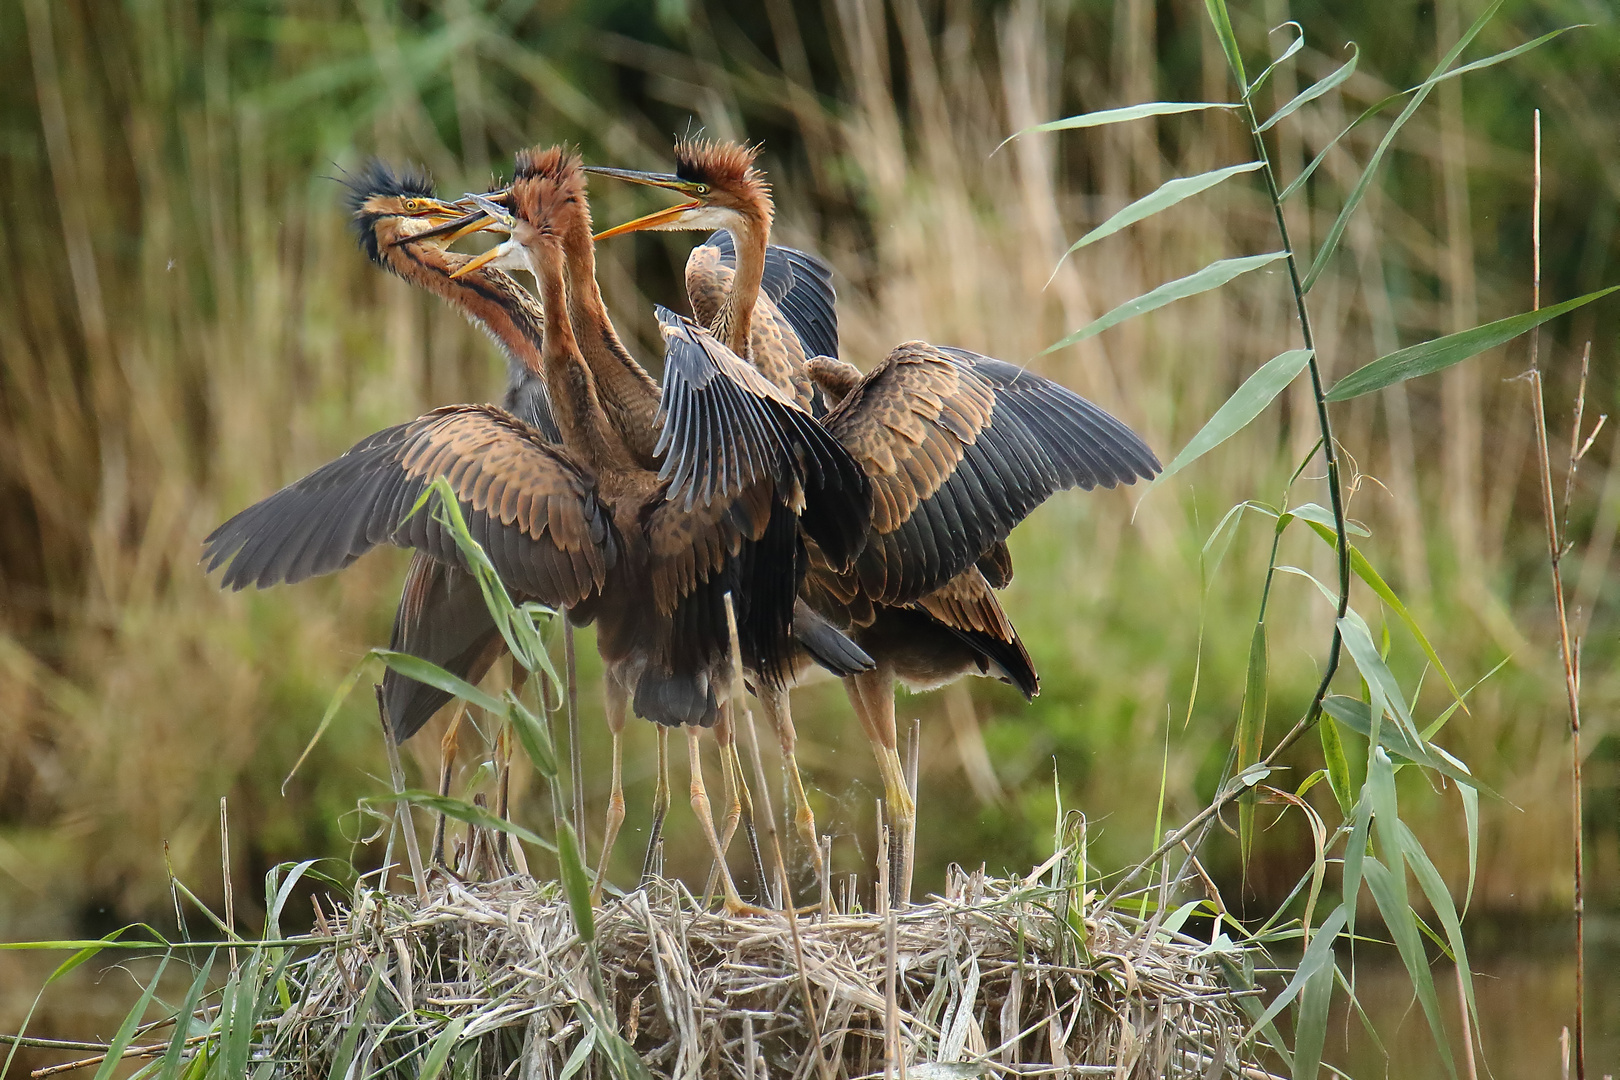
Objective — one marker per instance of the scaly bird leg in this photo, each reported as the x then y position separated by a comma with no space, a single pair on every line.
614,704
700,807
660,805
447,749
777,707
739,801
872,692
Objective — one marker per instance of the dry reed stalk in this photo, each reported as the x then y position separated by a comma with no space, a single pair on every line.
1572,679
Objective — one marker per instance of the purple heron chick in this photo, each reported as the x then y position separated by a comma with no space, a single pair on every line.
648,556
959,448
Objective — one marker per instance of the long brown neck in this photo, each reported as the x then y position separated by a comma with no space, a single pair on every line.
490,299
737,314
575,403
628,393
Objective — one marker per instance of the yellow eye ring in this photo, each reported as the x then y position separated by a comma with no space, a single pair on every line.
412,204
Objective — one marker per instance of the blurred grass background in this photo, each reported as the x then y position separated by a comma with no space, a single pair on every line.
185,325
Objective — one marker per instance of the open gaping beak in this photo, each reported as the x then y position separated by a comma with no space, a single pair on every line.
489,215
658,218
458,221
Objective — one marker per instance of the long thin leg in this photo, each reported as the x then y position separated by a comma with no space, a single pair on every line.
660,805
740,802
614,702
873,695
777,707
700,807
447,749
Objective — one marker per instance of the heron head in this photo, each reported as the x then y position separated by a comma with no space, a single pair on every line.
722,188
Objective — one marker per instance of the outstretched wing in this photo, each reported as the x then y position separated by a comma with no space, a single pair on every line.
959,449
532,508
797,282
726,428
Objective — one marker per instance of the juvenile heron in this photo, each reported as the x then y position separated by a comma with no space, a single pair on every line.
959,448
582,526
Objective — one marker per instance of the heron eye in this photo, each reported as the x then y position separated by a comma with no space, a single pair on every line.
703,189
412,204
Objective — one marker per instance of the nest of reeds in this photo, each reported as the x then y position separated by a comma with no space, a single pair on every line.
1008,977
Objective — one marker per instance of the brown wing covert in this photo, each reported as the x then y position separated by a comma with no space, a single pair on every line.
529,504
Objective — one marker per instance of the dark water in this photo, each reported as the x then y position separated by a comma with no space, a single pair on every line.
1524,986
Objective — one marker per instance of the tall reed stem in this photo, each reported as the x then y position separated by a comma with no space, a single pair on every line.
1555,553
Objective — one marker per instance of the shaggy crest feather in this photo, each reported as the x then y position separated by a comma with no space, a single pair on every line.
377,181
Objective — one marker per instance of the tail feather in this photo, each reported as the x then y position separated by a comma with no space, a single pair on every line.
827,645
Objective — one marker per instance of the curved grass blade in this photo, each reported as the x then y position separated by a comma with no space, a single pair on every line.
132,1020
1355,857
1310,1026
1442,352
1168,194
1239,410
1315,90
1355,715
169,1067
1318,954
424,671
1434,887
1288,54
1330,242
1119,116
1213,276
464,812
345,688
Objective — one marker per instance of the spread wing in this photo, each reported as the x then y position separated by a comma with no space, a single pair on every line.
959,449
727,428
532,508
798,283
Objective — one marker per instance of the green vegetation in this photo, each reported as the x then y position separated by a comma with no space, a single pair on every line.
188,327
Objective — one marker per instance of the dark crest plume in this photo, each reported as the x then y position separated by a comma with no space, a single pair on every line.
726,165
555,173
379,180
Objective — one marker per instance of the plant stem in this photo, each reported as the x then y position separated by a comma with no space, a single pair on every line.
1335,502
1555,551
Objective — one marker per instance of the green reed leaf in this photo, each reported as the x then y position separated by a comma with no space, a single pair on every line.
425,671
1288,54
464,812
1120,115
169,1066
1330,242
1251,731
1389,892
1355,715
575,880
535,739
1338,765
1380,680
1315,90
132,1020
1318,954
1439,896
1239,410
1440,353
1213,276
439,1052
1229,44
1168,194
